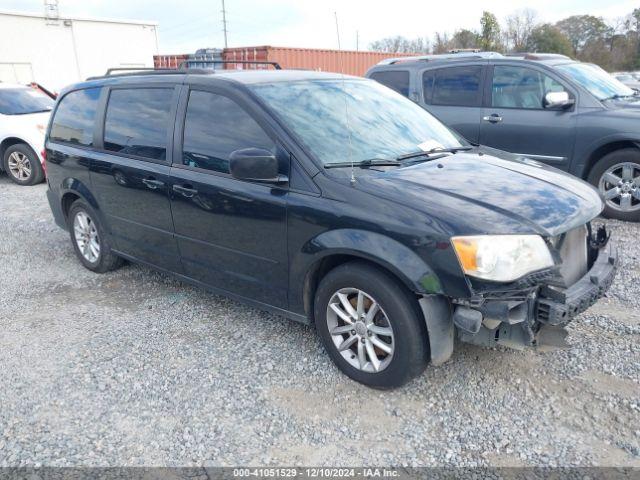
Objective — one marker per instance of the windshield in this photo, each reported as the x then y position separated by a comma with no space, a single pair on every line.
596,80
20,101
383,123
624,78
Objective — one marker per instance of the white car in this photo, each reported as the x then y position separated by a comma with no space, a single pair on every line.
24,114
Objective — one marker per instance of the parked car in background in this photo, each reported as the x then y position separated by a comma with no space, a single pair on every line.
24,114
628,79
571,115
382,226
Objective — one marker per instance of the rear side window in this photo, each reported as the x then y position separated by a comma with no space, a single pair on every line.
214,127
396,80
137,122
74,118
458,86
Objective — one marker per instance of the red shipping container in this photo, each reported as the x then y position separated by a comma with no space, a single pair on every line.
340,61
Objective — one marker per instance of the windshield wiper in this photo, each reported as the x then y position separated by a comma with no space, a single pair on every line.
382,162
423,153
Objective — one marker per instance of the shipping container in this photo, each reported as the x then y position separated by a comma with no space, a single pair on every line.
169,61
341,61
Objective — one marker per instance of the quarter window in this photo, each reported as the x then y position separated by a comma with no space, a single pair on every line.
137,122
215,126
397,80
520,87
458,86
74,118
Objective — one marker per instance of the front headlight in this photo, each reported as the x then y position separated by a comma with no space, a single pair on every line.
502,258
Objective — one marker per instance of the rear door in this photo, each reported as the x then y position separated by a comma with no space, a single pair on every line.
232,234
516,121
454,95
130,175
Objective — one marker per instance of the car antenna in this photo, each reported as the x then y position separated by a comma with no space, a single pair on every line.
346,102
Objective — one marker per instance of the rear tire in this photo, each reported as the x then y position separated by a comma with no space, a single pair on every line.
22,165
617,178
89,239
394,332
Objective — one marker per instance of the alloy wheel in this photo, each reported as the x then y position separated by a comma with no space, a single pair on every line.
620,187
86,236
19,166
360,330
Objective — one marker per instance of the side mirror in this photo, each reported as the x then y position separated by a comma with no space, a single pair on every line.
256,165
558,100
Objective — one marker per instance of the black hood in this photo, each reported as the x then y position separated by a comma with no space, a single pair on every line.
481,193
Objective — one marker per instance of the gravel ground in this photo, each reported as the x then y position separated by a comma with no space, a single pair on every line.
135,368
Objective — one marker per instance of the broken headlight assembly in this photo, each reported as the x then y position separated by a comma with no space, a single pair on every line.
502,258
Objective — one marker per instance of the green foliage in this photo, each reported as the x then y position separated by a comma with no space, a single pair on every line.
583,29
549,39
489,32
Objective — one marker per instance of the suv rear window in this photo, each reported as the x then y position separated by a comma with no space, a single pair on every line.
137,122
396,80
458,86
74,118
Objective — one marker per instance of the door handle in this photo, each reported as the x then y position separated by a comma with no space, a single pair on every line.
185,191
493,118
152,183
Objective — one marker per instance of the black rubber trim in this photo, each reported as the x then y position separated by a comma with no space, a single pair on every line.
557,307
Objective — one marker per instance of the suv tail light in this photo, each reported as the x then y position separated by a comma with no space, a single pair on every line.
43,154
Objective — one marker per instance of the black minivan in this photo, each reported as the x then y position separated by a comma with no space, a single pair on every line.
329,200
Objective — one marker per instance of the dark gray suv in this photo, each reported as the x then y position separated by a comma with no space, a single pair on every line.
572,115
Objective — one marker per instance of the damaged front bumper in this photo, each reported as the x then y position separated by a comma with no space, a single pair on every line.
516,319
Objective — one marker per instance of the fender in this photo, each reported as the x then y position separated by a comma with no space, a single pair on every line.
582,168
77,187
380,249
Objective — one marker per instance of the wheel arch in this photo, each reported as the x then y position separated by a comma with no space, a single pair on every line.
11,141
337,247
605,148
73,189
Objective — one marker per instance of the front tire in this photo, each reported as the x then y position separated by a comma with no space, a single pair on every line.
371,326
22,165
617,178
89,239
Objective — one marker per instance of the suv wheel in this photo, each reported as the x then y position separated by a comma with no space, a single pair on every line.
22,165
371,326
617,177
89,239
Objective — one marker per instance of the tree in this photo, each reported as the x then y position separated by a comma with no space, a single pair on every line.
489,32
582,29
464,38
549,39
400,44
520,24
442,43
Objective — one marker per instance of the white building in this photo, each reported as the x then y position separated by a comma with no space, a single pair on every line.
56,51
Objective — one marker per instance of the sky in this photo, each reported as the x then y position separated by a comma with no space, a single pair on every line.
192,24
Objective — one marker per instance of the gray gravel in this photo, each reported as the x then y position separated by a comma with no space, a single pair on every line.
135,368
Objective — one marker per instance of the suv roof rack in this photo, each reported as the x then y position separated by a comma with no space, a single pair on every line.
186,63
454,55
131,71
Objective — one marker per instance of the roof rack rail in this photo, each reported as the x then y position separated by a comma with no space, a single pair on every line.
186,63
538,56
445,56
133,69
